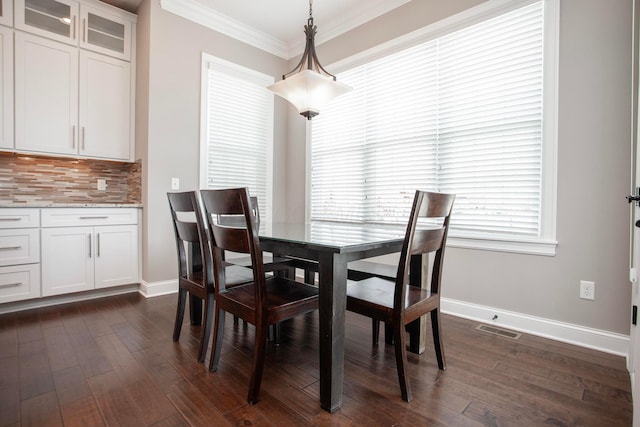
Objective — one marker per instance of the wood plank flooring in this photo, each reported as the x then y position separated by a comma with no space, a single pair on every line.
112,362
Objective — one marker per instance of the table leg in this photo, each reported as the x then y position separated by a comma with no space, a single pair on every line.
332,293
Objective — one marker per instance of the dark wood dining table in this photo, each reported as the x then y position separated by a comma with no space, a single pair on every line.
333,245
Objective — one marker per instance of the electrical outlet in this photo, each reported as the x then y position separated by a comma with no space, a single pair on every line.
175,183
102,184
587,290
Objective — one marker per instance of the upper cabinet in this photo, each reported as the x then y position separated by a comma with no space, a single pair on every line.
68,85
6,13
105,33
76,23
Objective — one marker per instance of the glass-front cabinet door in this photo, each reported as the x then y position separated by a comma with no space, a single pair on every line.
54,19
105,33
6,13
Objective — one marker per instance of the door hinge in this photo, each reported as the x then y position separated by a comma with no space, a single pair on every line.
634,315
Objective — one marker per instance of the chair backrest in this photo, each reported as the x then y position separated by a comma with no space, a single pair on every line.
239,236
419,241
189,229
238,219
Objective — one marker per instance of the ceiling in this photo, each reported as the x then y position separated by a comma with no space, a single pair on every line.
284,20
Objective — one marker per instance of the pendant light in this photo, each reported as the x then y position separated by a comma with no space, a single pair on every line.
309,87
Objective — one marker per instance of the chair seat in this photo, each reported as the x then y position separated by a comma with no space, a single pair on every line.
375,295
281,292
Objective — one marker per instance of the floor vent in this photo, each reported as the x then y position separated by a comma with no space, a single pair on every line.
498,331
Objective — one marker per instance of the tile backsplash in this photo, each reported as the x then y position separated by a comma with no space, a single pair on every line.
39,179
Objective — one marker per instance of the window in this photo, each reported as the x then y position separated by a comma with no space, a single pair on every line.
237,130
463,113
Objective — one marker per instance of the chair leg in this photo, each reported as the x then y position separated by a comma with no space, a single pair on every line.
437,338
375,330
401,361
259,351
388,333
206,327
182,300
216,344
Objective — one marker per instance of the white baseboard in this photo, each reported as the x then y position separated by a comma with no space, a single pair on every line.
155,289
64,299
608,342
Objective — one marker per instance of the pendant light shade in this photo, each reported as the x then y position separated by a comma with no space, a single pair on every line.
309,87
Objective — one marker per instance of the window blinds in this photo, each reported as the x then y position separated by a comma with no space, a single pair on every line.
459,114
239,128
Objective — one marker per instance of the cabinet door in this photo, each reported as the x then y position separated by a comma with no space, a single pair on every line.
19,282
6,87
67,260
105,33
54,19
105,91
116,255
6,13
46,95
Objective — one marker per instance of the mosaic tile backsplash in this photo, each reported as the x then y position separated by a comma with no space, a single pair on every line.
50,180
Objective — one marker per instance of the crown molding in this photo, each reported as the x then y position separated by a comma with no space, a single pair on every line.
209,18
200,14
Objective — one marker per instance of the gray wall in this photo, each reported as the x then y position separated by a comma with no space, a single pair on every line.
594,137
169,122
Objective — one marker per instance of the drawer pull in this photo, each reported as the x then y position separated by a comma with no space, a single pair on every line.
11,285
10,248
94,217
10,219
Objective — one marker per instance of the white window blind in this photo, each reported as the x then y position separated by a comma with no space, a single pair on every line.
458,114
237,143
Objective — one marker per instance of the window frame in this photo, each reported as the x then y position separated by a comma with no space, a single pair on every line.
546,243
208,61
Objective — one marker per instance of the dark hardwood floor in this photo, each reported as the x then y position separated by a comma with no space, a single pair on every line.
112,362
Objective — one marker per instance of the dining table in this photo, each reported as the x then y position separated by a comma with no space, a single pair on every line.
332,245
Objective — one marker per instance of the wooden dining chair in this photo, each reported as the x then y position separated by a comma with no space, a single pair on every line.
266,300
270,262
195,264
400,302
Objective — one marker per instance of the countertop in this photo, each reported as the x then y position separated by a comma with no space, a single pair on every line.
68,205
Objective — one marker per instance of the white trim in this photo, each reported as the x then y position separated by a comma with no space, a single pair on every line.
529,247
203,15
64,299
156,289
200,14
608,342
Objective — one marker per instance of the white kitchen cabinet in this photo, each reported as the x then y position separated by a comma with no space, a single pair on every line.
105,32
51,82
6,87
54,19
105,94
91,26
6,13
46,95
19,254
95,252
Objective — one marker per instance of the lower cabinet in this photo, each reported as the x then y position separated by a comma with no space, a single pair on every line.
80,258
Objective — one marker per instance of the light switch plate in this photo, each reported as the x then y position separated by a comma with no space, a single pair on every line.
175,183
102,184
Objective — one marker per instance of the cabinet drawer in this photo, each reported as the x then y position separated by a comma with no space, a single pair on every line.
78,217
19,282
19,246
19,218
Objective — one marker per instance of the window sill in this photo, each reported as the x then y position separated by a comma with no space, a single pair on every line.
520,246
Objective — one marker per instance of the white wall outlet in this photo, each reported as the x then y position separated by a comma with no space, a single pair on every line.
102,184
175,183
587,290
